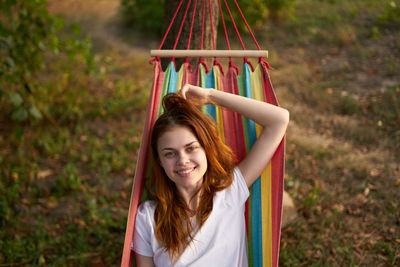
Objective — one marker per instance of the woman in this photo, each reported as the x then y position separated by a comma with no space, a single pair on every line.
197,215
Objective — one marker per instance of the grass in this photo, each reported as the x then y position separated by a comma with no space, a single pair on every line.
65,186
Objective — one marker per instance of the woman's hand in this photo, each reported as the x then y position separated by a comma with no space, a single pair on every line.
196,94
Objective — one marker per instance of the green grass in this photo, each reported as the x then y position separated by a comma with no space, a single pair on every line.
65,187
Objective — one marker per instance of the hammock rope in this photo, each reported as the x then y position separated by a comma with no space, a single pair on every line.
190,33
203,14
180,28
247,25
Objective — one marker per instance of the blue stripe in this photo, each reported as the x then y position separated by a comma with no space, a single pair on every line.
210,83
173,79
256,187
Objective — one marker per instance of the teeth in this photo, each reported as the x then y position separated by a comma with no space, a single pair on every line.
185,171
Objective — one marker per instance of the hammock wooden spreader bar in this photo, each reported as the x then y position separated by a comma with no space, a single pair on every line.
209,53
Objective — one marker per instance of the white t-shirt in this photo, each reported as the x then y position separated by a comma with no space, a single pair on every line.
221,241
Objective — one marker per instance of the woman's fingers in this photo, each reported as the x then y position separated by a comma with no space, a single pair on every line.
183,90
195,93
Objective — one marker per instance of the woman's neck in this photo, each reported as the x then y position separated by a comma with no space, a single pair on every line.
192,200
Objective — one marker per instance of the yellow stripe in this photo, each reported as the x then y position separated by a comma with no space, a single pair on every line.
257,91
220,124
266,216
180,78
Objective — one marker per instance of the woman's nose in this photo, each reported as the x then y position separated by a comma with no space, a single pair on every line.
183,158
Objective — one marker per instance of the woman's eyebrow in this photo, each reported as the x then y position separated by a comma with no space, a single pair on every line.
191,143
188,144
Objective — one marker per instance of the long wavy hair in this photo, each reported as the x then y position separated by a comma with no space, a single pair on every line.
173,227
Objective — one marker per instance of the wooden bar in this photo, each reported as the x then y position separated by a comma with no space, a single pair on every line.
209,53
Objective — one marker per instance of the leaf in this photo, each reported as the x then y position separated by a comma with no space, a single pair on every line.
20,114
16,99
10,63
75,29
18,132
35,112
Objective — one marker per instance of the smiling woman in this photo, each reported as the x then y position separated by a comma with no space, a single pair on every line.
197,215
183,160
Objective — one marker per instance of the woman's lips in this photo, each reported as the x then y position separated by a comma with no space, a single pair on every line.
185,172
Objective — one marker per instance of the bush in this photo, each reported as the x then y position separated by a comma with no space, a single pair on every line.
390,17
29,35
143,14
277,8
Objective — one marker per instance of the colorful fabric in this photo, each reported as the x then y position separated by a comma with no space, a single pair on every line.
264,207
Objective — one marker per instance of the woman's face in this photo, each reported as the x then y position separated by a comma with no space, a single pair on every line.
182,158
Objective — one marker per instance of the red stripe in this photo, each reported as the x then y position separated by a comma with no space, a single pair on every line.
140,176
277,174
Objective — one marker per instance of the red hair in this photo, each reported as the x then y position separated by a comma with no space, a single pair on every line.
172,222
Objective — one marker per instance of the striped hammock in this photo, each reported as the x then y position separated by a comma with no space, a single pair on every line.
264,207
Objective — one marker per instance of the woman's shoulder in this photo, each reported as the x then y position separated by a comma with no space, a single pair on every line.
238,192
145,214
147,207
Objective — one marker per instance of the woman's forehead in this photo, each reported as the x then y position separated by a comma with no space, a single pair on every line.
176,137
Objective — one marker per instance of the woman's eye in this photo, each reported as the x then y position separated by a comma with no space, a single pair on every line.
169,154
191,148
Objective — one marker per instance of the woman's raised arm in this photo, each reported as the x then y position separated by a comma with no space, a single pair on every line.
273,119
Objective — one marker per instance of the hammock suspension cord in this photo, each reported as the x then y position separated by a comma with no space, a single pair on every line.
197,53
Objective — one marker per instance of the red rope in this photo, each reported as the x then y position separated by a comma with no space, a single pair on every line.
201,61
212,25
261,61
247,25
166,32
216,63
245,59
226,38
170,24
191,25
223,24
202,24
180,28
234,25
233,65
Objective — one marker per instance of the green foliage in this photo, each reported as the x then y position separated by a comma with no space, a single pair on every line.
29,35
144,14
279,7
255,12
390,16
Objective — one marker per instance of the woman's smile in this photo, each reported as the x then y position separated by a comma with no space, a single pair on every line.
185,172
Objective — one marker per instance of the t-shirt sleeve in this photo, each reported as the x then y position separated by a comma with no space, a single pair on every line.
238,192
142,236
